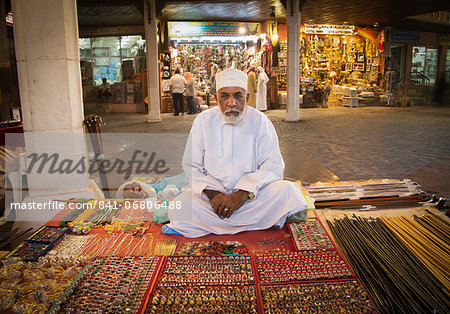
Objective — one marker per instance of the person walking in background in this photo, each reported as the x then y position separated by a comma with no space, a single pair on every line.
326,90
261,96
190,92
251,87
104,90
177,87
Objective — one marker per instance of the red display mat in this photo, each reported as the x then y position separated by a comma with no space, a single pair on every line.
249,238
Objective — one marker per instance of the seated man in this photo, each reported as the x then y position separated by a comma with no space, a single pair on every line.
234,164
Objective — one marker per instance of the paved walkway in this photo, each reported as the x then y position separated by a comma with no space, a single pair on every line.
344,143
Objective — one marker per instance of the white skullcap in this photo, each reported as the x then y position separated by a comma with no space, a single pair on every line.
231,78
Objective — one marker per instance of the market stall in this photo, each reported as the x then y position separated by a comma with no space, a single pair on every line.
202,48
109,255
334,58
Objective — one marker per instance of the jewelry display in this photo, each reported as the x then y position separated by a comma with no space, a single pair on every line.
111,284
30,251
72,245
201,299
165,247
324,297
207,270
118,245
48,234
212,248
136,228
309,235
300,266
88,215
270,242
32,287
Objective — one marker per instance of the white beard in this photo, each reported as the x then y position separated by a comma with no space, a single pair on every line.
232,119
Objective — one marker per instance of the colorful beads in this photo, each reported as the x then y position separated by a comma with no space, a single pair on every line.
31,251
48,234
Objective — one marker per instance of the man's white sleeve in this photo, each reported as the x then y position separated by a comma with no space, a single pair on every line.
193,161
270,161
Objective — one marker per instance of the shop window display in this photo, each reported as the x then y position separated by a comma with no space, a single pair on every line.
117,58
424,61
342,56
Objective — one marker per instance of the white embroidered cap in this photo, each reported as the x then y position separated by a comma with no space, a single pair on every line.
231,78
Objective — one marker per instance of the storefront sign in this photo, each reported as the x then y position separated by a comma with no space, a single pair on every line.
324,29
9,19
443,39
199,29
404,37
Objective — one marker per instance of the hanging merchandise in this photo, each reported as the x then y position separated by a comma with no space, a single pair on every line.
203,48
337,56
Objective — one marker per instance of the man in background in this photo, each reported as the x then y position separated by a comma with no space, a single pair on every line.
177,87
104,90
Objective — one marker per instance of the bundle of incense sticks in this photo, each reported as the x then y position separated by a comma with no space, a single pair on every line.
432,248
165,247
394,277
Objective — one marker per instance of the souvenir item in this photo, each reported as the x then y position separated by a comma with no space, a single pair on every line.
301,266
392,274
309,235
324,297
207,270
110,284
48,234
202,299
166,247
33,287
212,248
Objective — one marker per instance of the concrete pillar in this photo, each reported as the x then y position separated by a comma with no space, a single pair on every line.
293,46
151,37
442,55
48,65
408,62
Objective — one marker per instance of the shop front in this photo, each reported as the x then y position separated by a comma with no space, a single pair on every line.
121,61
346,59
203,48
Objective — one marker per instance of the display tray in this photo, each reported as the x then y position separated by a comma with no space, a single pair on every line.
310,235
317,297
111,284
48,235
182,270
204,299
311,265
30,251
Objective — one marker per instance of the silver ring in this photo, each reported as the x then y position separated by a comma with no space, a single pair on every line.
226,210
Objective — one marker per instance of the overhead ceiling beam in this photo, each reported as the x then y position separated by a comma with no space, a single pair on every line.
109,3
